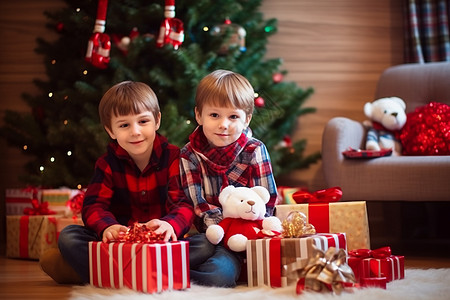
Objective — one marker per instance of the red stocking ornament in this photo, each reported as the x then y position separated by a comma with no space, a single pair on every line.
99,44
171,30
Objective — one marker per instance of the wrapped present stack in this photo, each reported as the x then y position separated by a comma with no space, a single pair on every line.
325,223
32,226
140,261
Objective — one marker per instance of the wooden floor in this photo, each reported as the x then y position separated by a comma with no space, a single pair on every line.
23,279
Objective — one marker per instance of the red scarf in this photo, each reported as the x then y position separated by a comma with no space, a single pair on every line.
218,159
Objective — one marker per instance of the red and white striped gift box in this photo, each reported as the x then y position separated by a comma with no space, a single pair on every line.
148,268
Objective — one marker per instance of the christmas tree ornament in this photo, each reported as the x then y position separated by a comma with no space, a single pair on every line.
171,30
60,27
286,142
123,42
233,35
99,45
277,77
259,102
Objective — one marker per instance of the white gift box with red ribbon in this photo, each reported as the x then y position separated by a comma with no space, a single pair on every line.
147,268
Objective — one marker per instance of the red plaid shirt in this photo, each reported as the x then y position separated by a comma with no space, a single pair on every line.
205,170
119,193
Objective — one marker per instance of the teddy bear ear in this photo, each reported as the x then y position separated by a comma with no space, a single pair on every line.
400,102
368,109
262,192
225,193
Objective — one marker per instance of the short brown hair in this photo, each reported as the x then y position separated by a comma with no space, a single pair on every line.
126,98
225,88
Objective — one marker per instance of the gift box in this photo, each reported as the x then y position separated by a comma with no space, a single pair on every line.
19,199
268,259
334,217
62,222
379,263
58,198
29,236
143,267
285,194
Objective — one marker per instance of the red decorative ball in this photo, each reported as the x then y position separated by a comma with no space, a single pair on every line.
277,77
259,102
60,26
427,131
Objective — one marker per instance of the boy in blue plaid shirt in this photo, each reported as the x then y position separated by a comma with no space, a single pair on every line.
221,152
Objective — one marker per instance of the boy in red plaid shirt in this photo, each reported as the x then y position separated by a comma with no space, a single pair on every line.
221,152
137,180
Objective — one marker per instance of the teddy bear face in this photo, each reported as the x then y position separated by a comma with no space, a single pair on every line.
245,203
389,112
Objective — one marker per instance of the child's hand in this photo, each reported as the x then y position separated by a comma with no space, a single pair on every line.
114,232
162,227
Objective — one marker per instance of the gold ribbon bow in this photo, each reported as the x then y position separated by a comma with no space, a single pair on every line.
296,225
325,271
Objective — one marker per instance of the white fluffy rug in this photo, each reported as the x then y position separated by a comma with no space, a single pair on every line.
418,284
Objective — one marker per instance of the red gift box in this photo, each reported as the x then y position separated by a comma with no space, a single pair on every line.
377,263
148,268
267,259
29,236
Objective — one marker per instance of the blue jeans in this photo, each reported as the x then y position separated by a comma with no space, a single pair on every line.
213,265
73,243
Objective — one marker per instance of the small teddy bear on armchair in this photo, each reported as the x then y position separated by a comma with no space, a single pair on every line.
243,211
387,117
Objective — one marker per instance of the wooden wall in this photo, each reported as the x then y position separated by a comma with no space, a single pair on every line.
337,47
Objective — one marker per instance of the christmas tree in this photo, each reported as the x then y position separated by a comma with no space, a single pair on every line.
63,134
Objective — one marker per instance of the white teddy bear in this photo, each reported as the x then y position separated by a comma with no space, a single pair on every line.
243,211
387,117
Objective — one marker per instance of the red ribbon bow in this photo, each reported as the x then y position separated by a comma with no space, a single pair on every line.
333,194
382,252
38,209
75,204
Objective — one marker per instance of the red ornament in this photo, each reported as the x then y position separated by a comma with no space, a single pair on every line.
99,44
171,30
259,102
60,27
427,131
277,77
123,42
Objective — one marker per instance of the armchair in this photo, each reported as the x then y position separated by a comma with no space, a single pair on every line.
391,178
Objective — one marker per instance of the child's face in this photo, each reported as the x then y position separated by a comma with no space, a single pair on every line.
135,134
222,125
